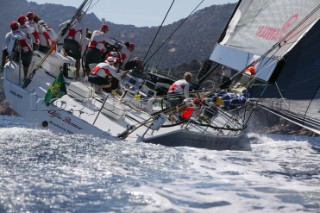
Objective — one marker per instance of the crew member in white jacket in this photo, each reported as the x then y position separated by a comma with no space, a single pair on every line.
73,41
17,43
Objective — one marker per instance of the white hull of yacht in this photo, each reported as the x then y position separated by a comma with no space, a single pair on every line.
90,116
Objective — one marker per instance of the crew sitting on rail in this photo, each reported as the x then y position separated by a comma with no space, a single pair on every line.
124,52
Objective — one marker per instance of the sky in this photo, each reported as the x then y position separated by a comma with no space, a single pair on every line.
140,13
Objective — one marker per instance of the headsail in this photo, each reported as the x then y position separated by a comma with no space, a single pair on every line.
285,33
257,26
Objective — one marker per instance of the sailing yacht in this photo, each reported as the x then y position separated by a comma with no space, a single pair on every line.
277,38
139,114
136,115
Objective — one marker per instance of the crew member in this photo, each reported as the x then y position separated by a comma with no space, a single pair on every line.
34,30
179,90
17,43
46,35
104,73
96,47
23,27
73,41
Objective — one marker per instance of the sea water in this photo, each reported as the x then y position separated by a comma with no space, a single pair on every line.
45,172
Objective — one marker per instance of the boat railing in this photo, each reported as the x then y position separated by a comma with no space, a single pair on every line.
214,119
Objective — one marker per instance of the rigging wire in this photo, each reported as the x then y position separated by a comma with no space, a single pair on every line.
170,36
279,91
91,5
278,45
160,59
154,38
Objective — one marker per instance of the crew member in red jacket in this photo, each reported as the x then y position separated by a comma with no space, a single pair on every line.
97,47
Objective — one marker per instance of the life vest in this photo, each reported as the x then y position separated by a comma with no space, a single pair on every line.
98,41
72,33
125,55
96,70
47,38
187,112
172,88
25,47
177,87
251,70
52,36
34,31
94,44
26,29
23,42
